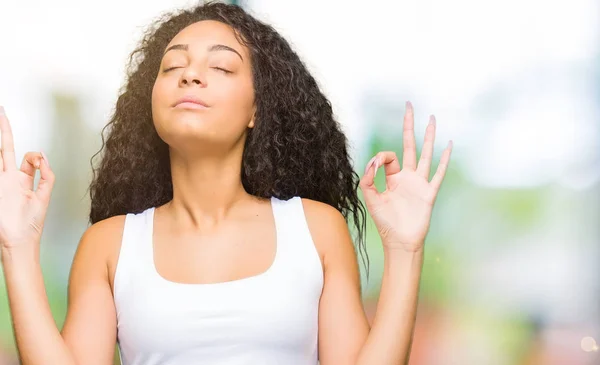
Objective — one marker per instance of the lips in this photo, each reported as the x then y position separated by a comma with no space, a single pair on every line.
190,101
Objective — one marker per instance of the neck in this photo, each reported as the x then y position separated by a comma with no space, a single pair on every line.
205,190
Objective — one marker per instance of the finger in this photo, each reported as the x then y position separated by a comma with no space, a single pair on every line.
367,182
424,167
368,179
437,179
389,161
31,162
44,189
7,145
409,159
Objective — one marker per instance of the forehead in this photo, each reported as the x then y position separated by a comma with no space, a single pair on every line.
208,32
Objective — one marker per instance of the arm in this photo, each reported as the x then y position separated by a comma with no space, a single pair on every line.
343,325
402,214
37,337
89,333
390,339
90,329
344,335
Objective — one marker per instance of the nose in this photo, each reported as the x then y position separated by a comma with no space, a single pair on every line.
192,77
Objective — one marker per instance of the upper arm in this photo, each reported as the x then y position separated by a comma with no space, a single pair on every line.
343,325
90,329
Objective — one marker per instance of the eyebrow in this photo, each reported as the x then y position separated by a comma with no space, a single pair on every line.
213,48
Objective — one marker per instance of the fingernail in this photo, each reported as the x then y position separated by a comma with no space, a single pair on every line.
2,110
432,120
45,158
369,164
408,105
376,167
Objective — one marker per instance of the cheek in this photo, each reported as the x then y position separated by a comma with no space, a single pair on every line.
155,98
239,100
160,97
158,92
157,108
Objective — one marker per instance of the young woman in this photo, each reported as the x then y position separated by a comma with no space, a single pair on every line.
220,210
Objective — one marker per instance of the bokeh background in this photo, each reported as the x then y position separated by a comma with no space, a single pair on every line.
511,271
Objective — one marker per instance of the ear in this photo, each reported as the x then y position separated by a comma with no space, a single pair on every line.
251,124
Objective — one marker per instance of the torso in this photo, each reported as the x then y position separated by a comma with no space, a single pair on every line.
246,291
244,246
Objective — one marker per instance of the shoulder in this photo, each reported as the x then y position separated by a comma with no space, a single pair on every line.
109,226
100,245
330,233
323,217
100,235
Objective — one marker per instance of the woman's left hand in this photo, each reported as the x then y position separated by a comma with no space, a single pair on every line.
402,212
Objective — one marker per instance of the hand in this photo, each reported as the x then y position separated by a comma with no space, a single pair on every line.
22,210
402,212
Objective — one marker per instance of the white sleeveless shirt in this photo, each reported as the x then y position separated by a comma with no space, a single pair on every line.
267,319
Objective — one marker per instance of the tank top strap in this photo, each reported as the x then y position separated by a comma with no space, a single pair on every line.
289,221
133,254
295,239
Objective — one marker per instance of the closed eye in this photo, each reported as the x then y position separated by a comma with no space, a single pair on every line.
169,69
216,68
222,70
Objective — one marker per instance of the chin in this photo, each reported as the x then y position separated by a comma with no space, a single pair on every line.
182,125
188,120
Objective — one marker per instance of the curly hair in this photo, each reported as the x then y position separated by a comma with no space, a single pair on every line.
296,148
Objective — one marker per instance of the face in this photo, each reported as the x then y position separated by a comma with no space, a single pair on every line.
203,94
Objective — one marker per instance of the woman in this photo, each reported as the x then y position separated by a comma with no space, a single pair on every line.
219,214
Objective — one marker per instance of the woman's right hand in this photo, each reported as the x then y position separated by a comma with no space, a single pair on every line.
22,209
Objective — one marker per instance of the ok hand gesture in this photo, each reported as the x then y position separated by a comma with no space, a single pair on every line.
22,209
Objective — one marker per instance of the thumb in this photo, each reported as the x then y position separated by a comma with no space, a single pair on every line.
367,182
31,162
44,188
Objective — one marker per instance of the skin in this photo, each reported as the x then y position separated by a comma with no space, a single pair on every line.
204,225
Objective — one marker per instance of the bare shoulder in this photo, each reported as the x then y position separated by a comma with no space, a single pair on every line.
330,233
322,216
90,328
100,245
111,226
100,236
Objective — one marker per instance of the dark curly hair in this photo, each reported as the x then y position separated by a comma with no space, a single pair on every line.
296,148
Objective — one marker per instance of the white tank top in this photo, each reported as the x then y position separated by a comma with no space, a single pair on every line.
267,319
